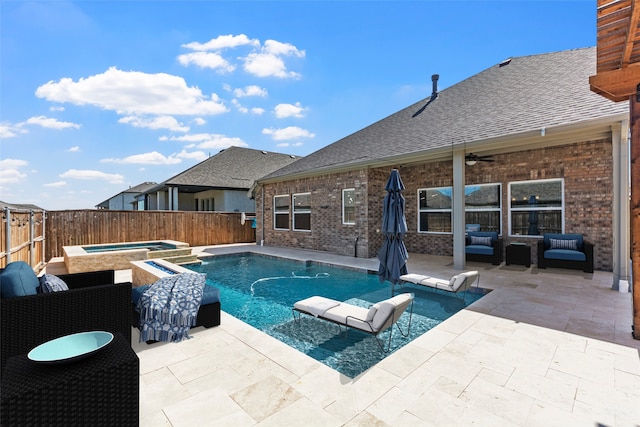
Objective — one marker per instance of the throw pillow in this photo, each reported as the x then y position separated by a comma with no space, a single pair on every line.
480,240
564,244
51,283
372,312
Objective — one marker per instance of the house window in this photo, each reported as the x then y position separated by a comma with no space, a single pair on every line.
482,206
302,212
434,210
536,207
349,206
281,212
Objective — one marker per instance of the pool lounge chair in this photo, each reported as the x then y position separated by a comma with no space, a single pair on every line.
375,320
456,284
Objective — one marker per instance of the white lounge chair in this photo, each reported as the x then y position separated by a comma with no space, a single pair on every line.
375,320
458,283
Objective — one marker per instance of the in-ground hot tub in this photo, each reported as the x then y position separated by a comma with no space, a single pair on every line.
117,256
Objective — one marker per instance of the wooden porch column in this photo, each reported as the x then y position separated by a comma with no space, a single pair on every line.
635,212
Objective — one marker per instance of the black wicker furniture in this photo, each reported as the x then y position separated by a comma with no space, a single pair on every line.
484,246
565,251
208,314
100,390
92,303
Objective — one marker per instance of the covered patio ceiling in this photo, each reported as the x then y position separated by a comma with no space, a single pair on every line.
618,46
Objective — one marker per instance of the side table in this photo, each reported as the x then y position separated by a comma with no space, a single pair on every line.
102,389
518,253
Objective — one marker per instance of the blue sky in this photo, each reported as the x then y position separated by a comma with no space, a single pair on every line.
98,96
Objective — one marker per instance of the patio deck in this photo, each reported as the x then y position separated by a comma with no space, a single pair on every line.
546,347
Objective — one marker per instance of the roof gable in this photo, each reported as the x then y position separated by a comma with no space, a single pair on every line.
233,168
520,95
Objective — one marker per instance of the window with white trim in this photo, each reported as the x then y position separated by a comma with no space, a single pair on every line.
536,207
482,205
349,206
302,212
281,212
434,210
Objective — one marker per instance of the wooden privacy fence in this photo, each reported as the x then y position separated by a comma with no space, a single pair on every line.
22,237
36,237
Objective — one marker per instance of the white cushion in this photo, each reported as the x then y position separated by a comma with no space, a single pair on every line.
372,312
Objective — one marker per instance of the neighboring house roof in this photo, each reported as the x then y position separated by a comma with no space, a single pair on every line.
140,188
518,97
233,168
20,206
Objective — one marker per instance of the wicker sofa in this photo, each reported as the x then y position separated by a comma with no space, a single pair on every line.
93,302
565,251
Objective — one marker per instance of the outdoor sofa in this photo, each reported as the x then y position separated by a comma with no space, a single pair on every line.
28,318
565,251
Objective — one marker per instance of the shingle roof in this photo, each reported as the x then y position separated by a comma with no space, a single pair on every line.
232,168
20,206
524,94
140,188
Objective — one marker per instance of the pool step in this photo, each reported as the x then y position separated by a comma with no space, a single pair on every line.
169,253
179,256
184,260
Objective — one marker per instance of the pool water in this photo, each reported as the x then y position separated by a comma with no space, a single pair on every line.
261,291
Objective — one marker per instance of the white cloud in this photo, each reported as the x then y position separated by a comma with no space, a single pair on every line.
251,90
287,144
51,123
243,110
193,155
161,122
257,110
133,92
10,131
199,121
93,174
206,60
269,62
74,149
53,108
152,158
222,42
55,184
9,172
291,132
209,140
289,110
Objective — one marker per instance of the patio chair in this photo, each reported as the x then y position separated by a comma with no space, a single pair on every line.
375,320
457,284
92,303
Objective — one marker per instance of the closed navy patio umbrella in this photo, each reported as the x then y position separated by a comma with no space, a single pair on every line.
393,253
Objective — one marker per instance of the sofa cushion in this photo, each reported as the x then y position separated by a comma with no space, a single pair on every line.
17,280
571,244
211,294
565,254
480,240
559,236
479,249
51,283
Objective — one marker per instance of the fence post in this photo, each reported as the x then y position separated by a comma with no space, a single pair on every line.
7,214
32,246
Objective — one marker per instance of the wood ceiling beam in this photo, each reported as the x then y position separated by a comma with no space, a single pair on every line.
617,85
631,34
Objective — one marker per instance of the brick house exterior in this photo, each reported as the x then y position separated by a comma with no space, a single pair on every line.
563,132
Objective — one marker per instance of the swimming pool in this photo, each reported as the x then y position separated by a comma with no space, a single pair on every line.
261,291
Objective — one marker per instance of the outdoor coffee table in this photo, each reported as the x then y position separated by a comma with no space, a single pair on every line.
102,389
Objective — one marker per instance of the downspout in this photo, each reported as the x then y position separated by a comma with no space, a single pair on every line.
262,219
355,248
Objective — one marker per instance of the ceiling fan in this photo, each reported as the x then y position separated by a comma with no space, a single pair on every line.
471,159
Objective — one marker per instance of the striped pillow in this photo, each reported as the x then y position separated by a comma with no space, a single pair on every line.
564,244
480,240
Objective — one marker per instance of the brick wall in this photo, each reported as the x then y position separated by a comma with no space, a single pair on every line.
586,167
